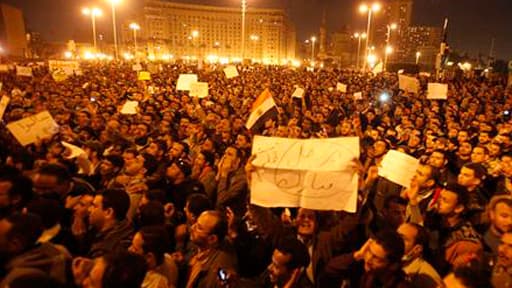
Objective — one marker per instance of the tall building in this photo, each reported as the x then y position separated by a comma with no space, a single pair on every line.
423,39
13,38
200,30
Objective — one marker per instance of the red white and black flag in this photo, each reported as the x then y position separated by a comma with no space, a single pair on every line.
263,109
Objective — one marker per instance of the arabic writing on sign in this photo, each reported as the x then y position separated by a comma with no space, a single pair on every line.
29,129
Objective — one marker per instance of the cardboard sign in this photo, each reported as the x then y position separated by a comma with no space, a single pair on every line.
144,76
185,82
28,130
341,87
199,89
137,67
231,72
437,91
3,105
23,71
358,96
130,107
298,93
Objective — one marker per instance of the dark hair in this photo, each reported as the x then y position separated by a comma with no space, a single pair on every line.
460,191
21,186
150,163
156,195
421,238
198,203
156,241
220,229
116,160
58,171
478,169
27,228
209,157
473,275
50,211
152,213
392,243
162,145
184,166
124,269
296,249
394,199
118,200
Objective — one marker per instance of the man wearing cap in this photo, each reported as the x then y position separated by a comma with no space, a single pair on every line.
180,184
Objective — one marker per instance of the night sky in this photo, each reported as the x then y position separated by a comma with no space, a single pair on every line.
472,23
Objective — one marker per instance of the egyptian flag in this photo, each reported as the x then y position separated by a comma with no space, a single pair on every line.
263,109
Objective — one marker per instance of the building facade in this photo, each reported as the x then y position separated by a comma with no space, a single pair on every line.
422,39
186,30
13,38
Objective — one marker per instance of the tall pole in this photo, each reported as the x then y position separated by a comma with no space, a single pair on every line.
366,46
313,40
244,3
114,28
135,39
93,19
358,49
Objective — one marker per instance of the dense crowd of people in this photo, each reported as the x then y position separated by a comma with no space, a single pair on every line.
161,198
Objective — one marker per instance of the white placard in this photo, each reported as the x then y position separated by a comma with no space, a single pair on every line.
185,81
199,89
75,150
358,96
298,93
3,105
437,91
4,68
313,173
69,67
341,87
29,129
231,72
408,84
130,107
23,71
398,167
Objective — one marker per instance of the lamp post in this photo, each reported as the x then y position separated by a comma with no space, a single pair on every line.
359,37
114,3
363,8
244,8
135,27
313,40
93,12
418,54
389,50
254,38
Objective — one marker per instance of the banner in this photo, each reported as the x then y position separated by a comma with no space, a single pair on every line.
437,91
32,128
68,67
408,84
398,167
312,173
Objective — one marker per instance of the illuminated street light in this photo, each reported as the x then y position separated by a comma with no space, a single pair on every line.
359,36
93,12
363,8
244,9
389,27
114,3
313,40
418,54
135,27
254,37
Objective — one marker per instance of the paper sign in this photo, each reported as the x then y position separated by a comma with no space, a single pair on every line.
398,167
298,93
69,67
59,75
437,91
185,81
75,150
3,105
230,72
341,87
4,68
23,71
130,107
358,96
199,89
137,67
144,76
408,84
313,173
29,129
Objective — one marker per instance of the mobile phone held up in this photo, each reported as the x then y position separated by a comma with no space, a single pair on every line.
223,275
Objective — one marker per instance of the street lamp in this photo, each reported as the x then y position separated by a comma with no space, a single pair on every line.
389,27
135,27
363,8
418,54
93,12
244,8
193,35
114,3
313,40
359,37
